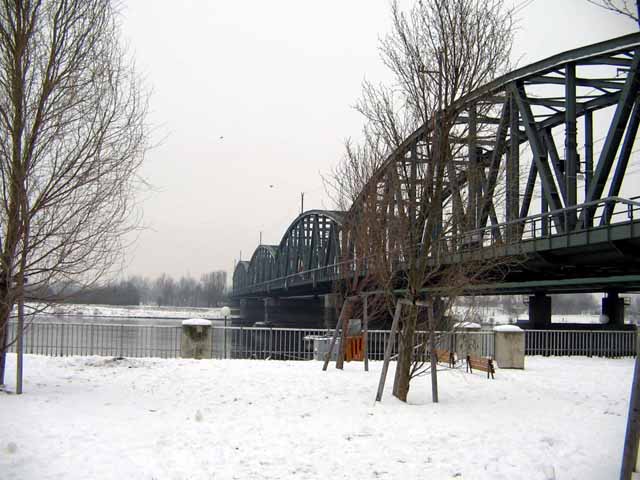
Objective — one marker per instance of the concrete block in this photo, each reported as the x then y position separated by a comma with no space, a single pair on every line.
467,340
509,346
196,339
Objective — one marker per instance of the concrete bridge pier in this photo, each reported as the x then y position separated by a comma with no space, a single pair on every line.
270,304
252,310
293,312
540,310
613,308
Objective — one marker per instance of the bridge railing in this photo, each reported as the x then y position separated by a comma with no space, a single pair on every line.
68,339
568,221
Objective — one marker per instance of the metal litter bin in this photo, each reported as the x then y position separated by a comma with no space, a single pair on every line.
321,344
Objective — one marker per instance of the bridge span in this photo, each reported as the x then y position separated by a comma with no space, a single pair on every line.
573,215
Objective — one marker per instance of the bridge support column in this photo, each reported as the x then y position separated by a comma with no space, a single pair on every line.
243,307
613,308
540,310
270,303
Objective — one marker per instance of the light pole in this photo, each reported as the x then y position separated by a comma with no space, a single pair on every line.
226,313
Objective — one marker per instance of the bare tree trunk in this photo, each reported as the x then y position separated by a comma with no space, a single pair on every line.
432,349
402,378
5,314
388,350
4,332
348,310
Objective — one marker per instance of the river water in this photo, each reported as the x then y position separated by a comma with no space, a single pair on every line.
121,336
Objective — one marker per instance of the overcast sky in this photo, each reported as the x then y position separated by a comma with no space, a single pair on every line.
252,101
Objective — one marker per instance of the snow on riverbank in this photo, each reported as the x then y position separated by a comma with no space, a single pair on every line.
133,311
99,418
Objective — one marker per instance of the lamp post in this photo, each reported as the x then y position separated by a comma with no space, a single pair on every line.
226,313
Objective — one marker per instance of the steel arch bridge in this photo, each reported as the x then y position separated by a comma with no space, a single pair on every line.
563,194
310,245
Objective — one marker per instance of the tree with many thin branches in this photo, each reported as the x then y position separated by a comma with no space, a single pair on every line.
73,135
407,218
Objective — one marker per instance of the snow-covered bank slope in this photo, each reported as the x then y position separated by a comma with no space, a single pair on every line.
132,311
96,418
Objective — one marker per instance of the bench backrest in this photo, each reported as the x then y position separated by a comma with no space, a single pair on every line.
445,356
484,364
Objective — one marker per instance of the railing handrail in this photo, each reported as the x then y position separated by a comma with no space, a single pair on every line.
319,329
135,340
553,213
75,324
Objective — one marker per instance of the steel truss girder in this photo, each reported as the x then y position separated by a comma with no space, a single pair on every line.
540,156
627,98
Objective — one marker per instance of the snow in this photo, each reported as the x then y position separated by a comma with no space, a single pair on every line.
132,311
197,322
102,418
468,325
507,328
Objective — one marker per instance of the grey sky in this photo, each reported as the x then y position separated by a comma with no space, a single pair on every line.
249,94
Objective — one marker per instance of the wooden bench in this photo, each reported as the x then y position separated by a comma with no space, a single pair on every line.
481,363
445,356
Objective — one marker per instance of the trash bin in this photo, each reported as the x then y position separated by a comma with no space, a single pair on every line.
321,344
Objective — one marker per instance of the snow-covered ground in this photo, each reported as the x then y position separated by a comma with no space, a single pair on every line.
99,418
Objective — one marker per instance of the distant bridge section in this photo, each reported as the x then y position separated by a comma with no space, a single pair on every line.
304,262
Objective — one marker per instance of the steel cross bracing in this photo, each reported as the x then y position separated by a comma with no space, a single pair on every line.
526,169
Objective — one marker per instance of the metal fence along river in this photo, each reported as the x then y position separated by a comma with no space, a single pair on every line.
131,340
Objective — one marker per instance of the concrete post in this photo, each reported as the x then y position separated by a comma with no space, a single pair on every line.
467,340
196,339
540,310
509,346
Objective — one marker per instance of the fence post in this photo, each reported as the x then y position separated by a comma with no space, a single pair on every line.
20,349
61,345
632,435
121,340
225,339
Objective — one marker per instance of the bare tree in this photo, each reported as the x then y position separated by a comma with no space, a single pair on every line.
72,138
408,216
213,285
627,8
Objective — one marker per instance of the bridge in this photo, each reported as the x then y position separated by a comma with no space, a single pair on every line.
573,218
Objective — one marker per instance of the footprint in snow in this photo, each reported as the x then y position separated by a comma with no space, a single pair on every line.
548,440
549,472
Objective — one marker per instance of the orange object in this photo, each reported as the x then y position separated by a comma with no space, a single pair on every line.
354,349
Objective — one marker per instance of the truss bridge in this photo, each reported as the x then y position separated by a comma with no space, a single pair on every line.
544,170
